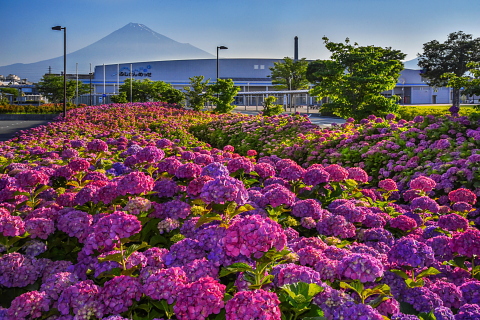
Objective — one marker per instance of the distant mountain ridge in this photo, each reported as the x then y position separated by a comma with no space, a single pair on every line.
411,64
132,43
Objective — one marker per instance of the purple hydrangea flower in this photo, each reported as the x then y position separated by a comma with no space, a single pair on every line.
118,294
467,243
199,299
388,185
188,171
278,195
56,283
97,145
135,183
307,208
468,312
315,175
363,267
183,252
423,183
253,235
223,189
292,273
215,170
150,154
240,163
83,299
337,173
29,305
264,170
471,292
257,304
165,284
425,203
422,299
462,195
17,270
337,226
453,222
357,174
409,252
450,294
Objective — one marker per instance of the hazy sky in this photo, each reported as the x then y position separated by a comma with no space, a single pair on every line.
249,28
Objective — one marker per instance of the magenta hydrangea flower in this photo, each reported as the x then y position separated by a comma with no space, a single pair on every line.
253,235
278,195
423,183
462,195
165,284
468,312
83,299
467,243
224,189
29,305
150,154
200,268
97,145
358,266
257,304
195,186
264,170
337,173
31,178
403,223
188,171
453,222
240,163
78,165
163,143
118,294
199,299
388,185
411,253
357,174
450,294
11,226
135,183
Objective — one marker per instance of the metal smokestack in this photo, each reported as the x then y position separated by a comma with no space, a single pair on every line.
295,57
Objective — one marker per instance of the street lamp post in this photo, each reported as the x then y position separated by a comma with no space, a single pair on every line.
219,48
90,74
59,28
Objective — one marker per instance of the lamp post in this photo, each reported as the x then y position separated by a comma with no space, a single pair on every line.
219,48
59,28
90,74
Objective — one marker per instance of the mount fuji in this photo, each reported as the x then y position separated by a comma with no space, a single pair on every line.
132,43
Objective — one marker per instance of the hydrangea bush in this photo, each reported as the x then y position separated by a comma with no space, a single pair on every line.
121,212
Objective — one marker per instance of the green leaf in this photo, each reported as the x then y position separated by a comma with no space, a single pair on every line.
41,189
400,273
207,218
157,239
134,248
234,268
20,193
112,257
356,286
429,272
407,308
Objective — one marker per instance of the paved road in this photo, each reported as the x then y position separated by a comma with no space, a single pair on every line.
8,128
315,118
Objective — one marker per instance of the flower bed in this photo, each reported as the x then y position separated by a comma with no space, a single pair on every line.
120,212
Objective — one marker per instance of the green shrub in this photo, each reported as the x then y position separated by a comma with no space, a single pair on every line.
410,112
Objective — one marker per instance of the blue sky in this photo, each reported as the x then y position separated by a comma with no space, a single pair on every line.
250,28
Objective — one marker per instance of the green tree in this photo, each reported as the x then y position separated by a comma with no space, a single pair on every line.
198,93
147,90
469,82
223,94
354,79
270,108
51,86
451,56
290,74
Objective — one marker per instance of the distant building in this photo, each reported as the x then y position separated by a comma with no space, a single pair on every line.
251,75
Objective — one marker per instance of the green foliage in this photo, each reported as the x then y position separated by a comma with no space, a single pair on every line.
470,82
48,108
298,296
224,92
198,93
410,112
271,109
354,79
8,90
51,86
290,74
147,90
451,56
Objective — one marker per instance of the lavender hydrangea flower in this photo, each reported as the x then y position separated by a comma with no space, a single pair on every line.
471,292
292,273
453,222
468,312
360,312
56,283
363,267
450,294
83,299
183,252
215,170
425,203
257,304
17,270
200,268
337,226
150,154
422,299
278,195
199,299
75,223
315,175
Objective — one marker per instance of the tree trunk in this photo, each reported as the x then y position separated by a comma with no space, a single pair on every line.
456,98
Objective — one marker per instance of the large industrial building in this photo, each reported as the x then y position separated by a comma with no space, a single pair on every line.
251,75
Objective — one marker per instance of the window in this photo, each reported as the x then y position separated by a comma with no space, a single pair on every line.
262,66
255,66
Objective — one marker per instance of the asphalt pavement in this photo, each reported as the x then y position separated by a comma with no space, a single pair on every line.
8,128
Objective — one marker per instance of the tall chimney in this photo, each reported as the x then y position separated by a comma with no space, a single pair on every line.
296,49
